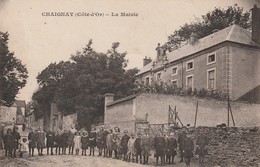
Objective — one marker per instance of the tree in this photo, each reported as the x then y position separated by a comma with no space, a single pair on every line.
78,85
213,20
13,73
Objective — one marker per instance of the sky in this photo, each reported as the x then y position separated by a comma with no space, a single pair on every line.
39,40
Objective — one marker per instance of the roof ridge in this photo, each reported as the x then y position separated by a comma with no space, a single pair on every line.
230,32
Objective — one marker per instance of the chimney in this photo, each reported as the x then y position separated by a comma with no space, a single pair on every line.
109,97
256,25
146,61
193,38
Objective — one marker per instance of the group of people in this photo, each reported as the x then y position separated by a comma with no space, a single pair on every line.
12,142
128,147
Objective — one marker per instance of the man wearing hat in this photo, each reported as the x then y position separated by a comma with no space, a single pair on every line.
124,142
181,138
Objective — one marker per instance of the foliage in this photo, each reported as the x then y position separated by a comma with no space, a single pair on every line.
163,88
13,73
213,20
78,85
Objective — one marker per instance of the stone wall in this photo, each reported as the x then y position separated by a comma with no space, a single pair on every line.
231,146
210,112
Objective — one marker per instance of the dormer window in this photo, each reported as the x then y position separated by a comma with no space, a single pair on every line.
190,65
211,58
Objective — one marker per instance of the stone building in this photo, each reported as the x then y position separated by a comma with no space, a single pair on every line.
227,60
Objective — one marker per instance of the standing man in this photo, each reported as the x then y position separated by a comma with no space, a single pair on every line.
41,141
32,137
17,137
145,146
181,138
159,145
171,147
202,143
123,144
188,147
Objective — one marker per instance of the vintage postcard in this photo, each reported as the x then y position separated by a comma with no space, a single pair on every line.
130,83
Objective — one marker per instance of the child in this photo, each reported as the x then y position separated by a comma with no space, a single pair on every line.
57,141
84,142
50,141
23,147
131,149
145,145
8,143
77,142
64,141
138,149
124,143
92,141
109,143
71,142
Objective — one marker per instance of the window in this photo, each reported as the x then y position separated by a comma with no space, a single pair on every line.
211,79
175,83
189,66
211,58
158,76
147,81
174,71
189,82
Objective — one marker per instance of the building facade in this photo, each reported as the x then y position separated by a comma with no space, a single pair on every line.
227,60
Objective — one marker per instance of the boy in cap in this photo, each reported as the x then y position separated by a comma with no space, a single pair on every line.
123,145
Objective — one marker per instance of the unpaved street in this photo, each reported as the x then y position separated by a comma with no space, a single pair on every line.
72,160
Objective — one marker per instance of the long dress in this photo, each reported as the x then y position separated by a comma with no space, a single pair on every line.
131,146
77,142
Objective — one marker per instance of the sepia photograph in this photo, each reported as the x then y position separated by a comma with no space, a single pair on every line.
133,83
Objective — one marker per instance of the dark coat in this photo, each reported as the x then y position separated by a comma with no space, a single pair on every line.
137,145
181,138
159,145
92,139
40,139
64,139
17,137
104,139
32,137
202,142
188,147
58,140
123,144
99,139
50,139
84,142
70,139
9,141
171,147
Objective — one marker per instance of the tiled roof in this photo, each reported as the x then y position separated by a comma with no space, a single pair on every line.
232,33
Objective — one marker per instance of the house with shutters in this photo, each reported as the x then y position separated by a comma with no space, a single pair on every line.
228,60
